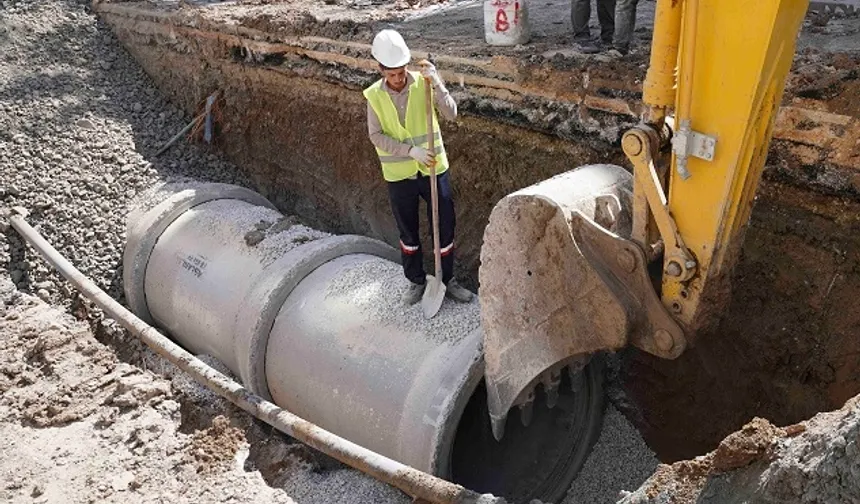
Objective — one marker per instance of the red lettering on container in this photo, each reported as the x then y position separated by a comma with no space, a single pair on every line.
502,23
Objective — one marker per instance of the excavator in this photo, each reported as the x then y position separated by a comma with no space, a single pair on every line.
596,259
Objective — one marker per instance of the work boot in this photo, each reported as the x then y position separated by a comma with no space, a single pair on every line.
618,51
457,292
413,293
589,47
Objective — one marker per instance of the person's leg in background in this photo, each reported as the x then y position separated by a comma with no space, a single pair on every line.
606,15
625,23
580,15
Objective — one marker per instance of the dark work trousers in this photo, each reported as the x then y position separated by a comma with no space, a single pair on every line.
625,18
580,15
404,197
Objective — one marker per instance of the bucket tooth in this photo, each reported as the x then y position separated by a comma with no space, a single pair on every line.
526,413
551,397
575,379
498,425
551,382
527,408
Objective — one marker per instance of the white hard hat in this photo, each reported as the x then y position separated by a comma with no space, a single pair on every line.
390,50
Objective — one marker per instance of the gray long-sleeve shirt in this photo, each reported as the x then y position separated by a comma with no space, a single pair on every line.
445,104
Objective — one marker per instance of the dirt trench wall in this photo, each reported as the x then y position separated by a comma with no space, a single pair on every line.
788,346
303,141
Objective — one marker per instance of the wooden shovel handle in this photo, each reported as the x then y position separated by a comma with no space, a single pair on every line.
434,197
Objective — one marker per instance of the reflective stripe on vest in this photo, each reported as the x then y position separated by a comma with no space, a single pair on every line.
414,132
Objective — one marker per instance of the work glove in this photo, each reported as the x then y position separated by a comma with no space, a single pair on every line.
422,155
428,71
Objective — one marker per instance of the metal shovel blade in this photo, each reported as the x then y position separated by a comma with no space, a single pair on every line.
433,296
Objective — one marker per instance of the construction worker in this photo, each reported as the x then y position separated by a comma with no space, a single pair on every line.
397,126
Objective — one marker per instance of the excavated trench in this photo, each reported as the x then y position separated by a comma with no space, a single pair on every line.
291,115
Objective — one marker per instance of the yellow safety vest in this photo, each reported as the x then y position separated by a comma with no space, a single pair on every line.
395,168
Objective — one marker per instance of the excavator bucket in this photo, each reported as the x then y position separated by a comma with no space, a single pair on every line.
550,296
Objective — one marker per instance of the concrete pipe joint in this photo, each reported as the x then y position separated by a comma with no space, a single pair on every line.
314,322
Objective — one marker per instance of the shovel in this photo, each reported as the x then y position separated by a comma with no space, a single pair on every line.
434,292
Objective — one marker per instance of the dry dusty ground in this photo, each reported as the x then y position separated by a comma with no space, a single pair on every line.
79,425
456,27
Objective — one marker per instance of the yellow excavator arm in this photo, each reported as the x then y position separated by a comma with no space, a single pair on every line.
596,258
734,58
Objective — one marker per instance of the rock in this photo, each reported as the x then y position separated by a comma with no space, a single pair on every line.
85,124
6,289
121,482
16,275
252,238
37,490
43,294
839,442
169,406
794,430
136,389
752,442
47,285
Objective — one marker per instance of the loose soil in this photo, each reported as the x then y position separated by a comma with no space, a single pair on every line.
814,461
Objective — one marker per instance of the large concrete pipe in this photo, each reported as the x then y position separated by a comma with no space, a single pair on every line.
314,322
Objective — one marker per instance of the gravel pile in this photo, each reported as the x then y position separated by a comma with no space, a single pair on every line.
365,284
620,462
79,125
